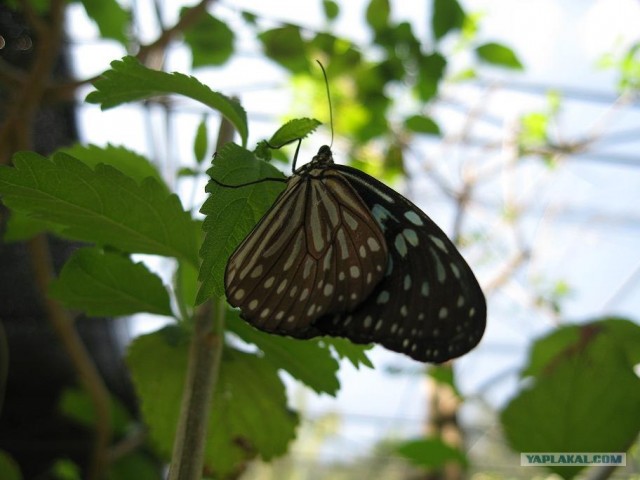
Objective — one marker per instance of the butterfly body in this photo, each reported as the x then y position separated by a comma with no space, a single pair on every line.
339,253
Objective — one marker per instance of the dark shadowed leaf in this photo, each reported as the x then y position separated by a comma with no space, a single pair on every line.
249,414
305,360
422,124
377,14
103,206
331,9
127,161
201,141
575,369
210,40
231,213
128,81
286,47
109,284
293,130
431,69
112,20
431,453
447,16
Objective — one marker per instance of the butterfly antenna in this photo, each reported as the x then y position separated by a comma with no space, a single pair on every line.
326,84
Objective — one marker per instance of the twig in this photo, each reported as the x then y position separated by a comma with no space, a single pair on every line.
15,131
66,91
15,134
190,17
78,354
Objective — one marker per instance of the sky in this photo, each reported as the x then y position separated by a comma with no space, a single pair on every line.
584,224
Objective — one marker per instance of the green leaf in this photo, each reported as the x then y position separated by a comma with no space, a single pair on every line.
231,213
127,161
64,469
583,385
499,55
102,205
422,124
201,142
21,227
331,9
431,453
286,47
431,69
305,360
377,14
447,16
9,468
534,129
135,466
249,409
293,130
210,40
77,405
109,284
249,17
393,162
112,20
186,285
129,81
356,354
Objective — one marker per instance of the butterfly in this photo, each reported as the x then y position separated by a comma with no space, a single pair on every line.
339,253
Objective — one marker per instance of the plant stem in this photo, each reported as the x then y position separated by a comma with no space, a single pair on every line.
205,356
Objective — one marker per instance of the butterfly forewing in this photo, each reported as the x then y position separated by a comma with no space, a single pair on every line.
317,252
429,304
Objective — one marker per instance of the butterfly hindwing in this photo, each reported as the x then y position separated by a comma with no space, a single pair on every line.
429,304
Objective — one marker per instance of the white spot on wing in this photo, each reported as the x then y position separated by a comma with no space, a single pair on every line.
411,236
383,297
401,245
439,243
414,218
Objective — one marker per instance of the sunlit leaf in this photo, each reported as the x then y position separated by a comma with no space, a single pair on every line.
499,55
